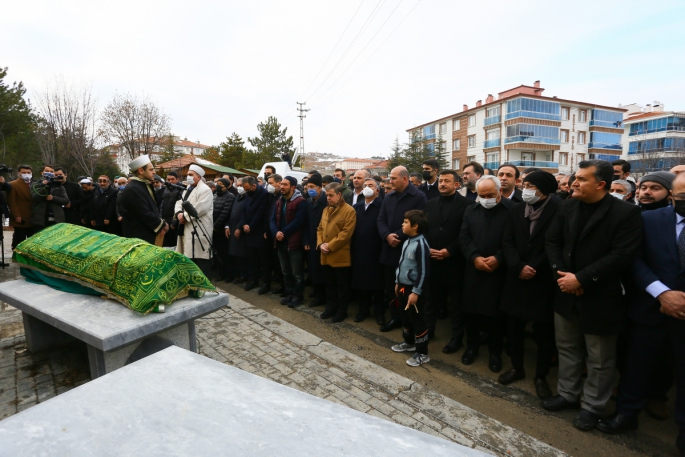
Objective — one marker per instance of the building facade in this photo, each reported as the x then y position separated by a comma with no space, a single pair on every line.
523,127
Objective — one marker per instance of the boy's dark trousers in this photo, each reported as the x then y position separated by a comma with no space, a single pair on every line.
415,331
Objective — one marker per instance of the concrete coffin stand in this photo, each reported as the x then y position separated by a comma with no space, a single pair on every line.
115,335
176,403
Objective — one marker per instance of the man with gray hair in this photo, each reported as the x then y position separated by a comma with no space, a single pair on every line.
622,190
485,272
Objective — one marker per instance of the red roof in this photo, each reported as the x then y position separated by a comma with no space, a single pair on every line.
178,163
643,115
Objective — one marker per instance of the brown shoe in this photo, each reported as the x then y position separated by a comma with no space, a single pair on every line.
657,409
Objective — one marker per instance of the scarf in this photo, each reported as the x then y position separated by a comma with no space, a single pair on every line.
534,214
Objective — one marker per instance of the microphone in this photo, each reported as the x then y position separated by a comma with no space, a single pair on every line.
175,186
190,209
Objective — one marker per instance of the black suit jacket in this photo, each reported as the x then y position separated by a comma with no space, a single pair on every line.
517,197
390,220
444,234
657,260
255,215
431,192
598,255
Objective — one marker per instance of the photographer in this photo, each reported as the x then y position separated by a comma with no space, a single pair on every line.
49,197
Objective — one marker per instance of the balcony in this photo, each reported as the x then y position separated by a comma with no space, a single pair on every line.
533,115
531,139
493,120
598,145
534,163
607,124
494,143
491,165
607,157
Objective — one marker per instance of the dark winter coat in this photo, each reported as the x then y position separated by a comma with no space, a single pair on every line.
481,235
528,299
391,217
598,254
367,272
254,215
295,220
223,203
86,205
237,247
443,233
314,213
104,206
432,192
41,206
169,199
76,197
139,212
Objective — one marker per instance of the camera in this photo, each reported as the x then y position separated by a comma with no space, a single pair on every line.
4,168
52,179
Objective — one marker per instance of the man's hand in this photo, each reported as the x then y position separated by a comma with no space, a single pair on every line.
106,221
479,263
237,234
673,303
49,197
92,223
228,232
306,247
324,248
393,240
68,205
568,283
120,218
181,218
411,301
439,254
491,262
18,220
527,272
164,229
246,228
280,236
2,180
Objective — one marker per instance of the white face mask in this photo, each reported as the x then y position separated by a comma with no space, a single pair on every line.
270,189
617,195
241,191
528,196
190,181
488,203
26,176
367,192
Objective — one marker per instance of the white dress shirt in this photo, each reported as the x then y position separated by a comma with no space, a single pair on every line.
657,287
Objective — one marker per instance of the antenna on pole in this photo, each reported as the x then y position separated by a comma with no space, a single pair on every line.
301,150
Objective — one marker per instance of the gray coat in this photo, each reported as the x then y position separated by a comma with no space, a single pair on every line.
39,211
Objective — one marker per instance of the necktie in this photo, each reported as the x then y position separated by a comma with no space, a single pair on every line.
681,248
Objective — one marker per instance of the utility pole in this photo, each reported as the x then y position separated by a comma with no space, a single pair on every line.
301,116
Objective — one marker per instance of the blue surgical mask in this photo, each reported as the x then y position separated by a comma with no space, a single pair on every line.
312,193
122,186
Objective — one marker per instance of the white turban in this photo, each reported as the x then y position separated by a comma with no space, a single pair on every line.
196,169
139,162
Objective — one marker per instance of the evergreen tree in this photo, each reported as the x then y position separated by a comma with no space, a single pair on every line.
232,151
212,154
440,152
17,125
269,145
169,150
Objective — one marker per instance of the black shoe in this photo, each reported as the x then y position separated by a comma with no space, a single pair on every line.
251,285
617,423
510,376
265,289
453,346
328,313
431,334
586,420
286,300
339,317
469,356
361,316
557,403
316,302
380,320
680,444
542,388
295,302
391,324
495,363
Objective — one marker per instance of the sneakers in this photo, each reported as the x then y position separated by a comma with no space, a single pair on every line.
403,347
418,360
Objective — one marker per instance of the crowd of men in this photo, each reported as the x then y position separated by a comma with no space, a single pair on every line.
593,261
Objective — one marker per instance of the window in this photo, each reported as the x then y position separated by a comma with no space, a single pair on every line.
492,160
605,140
472,141
470,158
527,156
657,145
582,115
604,118
564,136
581,137
581,157
472,120
672,123
443,128
537,109
548,157
565,113
492,134
492,138
532,133
490,112
563,158
456,124
456,144
429,132
456,164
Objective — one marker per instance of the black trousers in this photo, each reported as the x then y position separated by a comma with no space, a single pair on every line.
369,298
645,345
20,234
496,328
260,264
414,328
444,293
543,333
337,288
220,260
389,283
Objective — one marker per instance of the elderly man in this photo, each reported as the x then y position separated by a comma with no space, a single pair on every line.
591,243
120,184
404,197
471,173
655,189
196,235
87,187
508,174
657,315
622,190
481,242
357,186
138,204
333,240
103,208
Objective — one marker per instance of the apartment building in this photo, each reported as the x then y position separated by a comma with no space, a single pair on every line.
654,138
523,127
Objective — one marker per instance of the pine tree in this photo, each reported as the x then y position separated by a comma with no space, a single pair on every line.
270,144
232,151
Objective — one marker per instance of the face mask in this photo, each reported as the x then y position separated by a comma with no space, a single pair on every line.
528,196
426,175
367,192
122,186
679,206
617,195
266,176
312,193
190,182
241,191
26,176
488,203
270,189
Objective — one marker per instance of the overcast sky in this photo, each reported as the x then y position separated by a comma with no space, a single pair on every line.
220,67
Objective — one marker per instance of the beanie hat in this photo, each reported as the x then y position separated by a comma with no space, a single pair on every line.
315,179
291,180
545,182
665,178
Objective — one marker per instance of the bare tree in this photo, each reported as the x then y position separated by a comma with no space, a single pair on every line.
137,125
67,129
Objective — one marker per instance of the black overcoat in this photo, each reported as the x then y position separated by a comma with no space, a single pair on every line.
314,213
367,272
254,215
528,299
104,206
223,203
72,214
599,255
390,220
481,235
237,247
140,212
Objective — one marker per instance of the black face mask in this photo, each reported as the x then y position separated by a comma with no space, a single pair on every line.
663,203
617,177
251,193
679,206
426,175
563,194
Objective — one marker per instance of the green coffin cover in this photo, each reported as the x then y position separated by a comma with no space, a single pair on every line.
129,270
